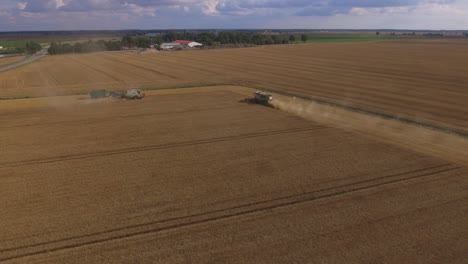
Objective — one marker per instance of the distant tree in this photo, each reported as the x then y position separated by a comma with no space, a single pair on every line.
268,40
304,37
206,38
377,33
143,42
156,40
32,47
20,50
292,38
128,41
275,40
113,45
53,49
67,48
84,47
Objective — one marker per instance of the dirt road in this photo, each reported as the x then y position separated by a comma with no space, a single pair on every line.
24,61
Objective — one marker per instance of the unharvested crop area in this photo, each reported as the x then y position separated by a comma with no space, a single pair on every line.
417,79
199,177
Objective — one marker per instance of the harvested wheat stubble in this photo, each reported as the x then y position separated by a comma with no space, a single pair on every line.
10,60
201,177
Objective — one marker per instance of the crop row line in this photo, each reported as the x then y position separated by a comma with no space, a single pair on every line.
159,146
80,121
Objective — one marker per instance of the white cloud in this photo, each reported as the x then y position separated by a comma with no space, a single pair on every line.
210,7
235,13
59,4
22,5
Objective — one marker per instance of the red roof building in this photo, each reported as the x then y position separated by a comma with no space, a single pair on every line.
183,42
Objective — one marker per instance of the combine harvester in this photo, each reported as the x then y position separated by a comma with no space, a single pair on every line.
261,98
127,94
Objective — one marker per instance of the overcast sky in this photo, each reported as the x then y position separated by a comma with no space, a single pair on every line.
189,14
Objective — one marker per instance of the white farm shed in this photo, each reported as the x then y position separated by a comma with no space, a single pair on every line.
169,46
194,44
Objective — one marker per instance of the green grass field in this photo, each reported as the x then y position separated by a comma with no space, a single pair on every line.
10,45
14,43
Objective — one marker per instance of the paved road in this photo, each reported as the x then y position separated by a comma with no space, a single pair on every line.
27,60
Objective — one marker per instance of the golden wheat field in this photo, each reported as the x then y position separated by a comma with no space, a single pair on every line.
194,173
10,60
417,79
200,177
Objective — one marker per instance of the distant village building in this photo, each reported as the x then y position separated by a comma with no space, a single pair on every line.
189,43
180,44
170,46
195,44
183,42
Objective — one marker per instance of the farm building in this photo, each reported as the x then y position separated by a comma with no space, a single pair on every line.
183,42
169,46
188,43
180,44
195,44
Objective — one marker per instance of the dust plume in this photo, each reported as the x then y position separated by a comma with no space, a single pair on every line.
417,138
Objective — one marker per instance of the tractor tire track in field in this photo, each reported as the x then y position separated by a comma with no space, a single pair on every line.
108,119
52,77
221,214
176,63
112,77
147,69
160,146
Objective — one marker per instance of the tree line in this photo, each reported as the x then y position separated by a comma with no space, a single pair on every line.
207,39
29,47
84,47
232,37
